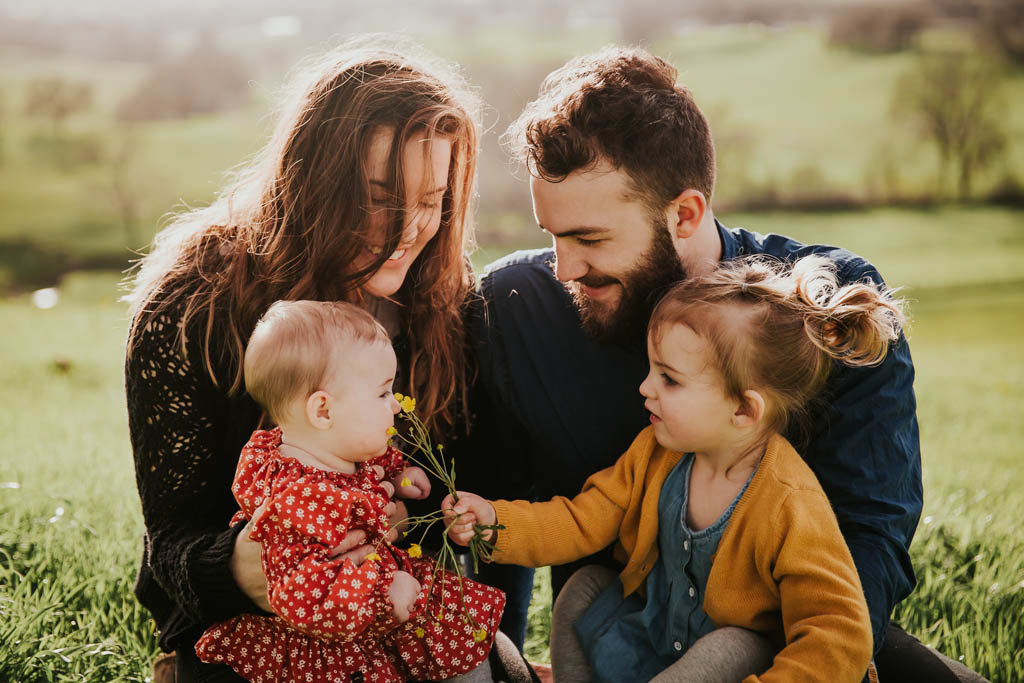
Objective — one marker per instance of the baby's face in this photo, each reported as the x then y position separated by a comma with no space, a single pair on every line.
362,406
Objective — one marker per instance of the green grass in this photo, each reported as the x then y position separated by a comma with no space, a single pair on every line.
70,532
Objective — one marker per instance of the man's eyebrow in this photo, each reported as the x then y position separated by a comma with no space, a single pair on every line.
577,231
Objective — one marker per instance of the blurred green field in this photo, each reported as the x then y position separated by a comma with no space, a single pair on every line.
70,529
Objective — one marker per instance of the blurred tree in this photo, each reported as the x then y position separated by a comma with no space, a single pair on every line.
121,161
1002,25
57,99
3,115
202,81
878,27
955,100
643,21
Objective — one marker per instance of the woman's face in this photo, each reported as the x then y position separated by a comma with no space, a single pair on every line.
425,162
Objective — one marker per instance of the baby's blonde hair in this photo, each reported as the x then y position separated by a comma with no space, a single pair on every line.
289,353
777,328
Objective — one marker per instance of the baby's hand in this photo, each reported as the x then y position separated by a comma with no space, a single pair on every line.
460,518
378,473
412,482
402,593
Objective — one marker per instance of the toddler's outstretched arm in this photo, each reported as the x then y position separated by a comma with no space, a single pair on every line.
460,517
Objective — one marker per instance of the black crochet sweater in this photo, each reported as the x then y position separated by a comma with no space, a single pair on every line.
186,434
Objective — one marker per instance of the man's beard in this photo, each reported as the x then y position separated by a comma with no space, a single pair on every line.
656,271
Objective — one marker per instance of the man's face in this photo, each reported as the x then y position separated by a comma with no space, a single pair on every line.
614,257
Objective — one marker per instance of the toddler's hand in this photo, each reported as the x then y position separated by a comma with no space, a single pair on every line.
417,486
460,517
402,593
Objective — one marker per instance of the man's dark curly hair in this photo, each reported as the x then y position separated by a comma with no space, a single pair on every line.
622,105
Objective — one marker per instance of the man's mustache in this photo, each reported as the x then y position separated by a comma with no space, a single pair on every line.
596,280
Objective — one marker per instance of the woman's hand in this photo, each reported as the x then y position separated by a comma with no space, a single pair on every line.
398,517
247,567
460,517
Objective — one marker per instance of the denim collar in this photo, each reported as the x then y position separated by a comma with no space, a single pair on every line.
730,243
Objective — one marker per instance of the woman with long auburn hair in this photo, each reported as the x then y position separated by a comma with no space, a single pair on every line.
363,194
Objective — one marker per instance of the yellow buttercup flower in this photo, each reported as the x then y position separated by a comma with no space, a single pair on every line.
420,632
373,556
408,403
479,634
406,481
415,550
391,431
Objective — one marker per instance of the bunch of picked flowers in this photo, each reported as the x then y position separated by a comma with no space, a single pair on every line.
420,450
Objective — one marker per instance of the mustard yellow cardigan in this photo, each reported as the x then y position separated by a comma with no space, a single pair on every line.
782,567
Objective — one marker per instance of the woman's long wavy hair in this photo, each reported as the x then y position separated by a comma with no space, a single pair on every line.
291,224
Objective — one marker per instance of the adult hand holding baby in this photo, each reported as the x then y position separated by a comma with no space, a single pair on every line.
247,569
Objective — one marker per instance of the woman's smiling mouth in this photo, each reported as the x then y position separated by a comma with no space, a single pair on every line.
395,256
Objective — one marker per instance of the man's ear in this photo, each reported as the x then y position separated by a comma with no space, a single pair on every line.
749,409
318,409
686,212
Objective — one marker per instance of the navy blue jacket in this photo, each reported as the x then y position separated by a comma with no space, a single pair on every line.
565,406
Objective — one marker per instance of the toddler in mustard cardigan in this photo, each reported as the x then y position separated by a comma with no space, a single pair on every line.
717,519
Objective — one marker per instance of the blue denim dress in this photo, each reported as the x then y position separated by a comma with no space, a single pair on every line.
632,639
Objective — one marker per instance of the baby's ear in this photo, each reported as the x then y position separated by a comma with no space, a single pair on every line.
749,409
318,409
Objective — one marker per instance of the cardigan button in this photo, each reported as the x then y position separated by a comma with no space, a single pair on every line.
678,646
692,592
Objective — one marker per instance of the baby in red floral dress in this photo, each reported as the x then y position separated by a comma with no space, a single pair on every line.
323,372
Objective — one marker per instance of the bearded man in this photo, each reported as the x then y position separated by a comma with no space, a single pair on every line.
622,170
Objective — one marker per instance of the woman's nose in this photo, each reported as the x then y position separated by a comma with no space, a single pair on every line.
413,226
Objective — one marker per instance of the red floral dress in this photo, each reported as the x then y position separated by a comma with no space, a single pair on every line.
336,622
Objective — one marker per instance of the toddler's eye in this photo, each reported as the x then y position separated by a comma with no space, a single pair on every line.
669,382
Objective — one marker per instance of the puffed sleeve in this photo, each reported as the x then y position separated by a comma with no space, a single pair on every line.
324,596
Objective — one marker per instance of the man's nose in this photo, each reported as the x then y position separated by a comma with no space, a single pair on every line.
568,265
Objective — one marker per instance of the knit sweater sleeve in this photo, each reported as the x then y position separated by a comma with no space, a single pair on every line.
178,419
563,530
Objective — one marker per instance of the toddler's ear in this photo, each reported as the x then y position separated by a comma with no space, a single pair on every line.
749,409
318,409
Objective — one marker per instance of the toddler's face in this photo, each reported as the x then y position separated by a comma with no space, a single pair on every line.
689,407
363,406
